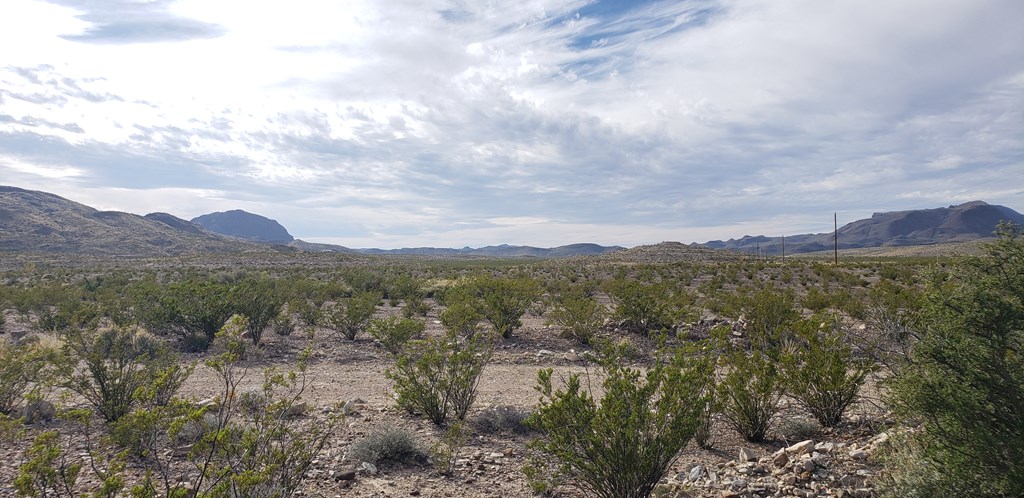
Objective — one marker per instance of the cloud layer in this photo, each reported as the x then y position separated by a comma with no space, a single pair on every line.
544,123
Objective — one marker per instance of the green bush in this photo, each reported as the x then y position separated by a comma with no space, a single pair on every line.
820,372
503,419
393,332
22,369
350,316
503,301
195,308
622,446
260,299
964,377
646,308
388,445
118,365
750,393
439,376
578,314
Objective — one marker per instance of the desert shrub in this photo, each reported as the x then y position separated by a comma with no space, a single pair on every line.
647,307
797,429
445,453
22,369
308,311
119,364
578,314
623,445
259,299
750,393
502,419
394,332
350,316
503,301
54,463
820,372
964,377
388,445
461,314
439,376
282,324
195,308
769,313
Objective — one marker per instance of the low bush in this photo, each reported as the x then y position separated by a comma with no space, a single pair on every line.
820,371
394,332
350,316
621,446
503,419
750,393
648,307
439,377
578,314
388,445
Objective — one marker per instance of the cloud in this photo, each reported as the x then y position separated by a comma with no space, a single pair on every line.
119,21
426,121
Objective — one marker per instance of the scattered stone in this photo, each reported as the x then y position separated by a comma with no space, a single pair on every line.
695,473
801,447
747,455
780,458
862,493
345,475
858,454
571,356
368,468
297,410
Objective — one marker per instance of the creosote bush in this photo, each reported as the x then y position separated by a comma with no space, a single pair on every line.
393,332
439,377
820,371
963,381
621,446
750,393
350,316
578,314
646,307
118,365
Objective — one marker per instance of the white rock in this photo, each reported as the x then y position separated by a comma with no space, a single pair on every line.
858,454
695,473
801,447
747,455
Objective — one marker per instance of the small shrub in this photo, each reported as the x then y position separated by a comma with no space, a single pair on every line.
645,308
440,376
119,365
445,452
821,373
750,393
503,301
388,445
260,300
21,369
283,325
349,317
394,332
578,314
622,446
503,419
798,429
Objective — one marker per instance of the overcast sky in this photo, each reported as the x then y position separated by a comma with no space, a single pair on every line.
542,122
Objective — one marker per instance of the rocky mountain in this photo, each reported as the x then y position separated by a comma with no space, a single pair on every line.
244,225
502,251
960,223
32,221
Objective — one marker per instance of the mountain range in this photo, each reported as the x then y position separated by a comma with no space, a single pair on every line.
33,221
959,223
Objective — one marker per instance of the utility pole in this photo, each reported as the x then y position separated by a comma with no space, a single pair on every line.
783,248
835,236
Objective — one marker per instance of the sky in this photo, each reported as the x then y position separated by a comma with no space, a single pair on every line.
454,123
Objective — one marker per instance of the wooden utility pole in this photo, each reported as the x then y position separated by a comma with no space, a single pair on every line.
783,248
835,237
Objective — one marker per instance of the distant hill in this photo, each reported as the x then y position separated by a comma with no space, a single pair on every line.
244,225
668,252
32,221
302,245
961,223
501,251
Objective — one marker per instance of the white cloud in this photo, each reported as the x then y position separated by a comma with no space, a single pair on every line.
397,121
